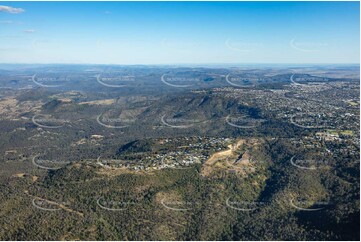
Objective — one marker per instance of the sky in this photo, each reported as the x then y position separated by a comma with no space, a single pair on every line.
153,33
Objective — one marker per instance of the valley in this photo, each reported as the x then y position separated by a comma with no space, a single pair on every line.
200,159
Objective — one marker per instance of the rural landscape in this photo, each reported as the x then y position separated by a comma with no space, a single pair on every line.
136,153
180,121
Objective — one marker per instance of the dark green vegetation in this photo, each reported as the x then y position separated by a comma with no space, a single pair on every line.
287,179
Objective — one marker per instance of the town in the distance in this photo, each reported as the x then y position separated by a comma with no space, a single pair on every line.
111,152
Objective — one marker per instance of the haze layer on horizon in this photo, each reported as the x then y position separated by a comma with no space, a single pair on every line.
152,33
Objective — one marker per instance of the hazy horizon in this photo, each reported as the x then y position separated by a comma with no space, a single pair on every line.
179,33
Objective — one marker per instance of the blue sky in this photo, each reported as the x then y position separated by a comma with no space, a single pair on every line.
180,32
